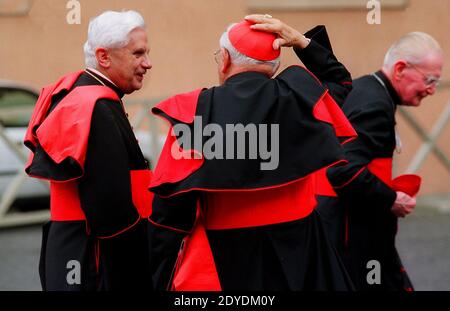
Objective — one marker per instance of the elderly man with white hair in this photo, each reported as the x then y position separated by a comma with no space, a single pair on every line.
82,142
370,201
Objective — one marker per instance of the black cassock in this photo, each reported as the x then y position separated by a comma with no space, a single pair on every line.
274,255
95,225
363,227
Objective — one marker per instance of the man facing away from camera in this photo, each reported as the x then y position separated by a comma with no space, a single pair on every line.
230,215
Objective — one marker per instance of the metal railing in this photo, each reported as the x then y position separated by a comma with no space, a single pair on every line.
429,140
430,145
8,218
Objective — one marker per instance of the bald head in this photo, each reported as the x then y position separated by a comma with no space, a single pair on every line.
413,48
413,65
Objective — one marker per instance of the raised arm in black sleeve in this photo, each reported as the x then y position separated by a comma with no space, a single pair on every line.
318,57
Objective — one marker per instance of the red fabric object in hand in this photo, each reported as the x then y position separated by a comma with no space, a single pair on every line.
408,183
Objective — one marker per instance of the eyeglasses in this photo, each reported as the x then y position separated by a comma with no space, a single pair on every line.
216,56
429,80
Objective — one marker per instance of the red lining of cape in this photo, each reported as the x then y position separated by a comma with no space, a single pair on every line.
44,101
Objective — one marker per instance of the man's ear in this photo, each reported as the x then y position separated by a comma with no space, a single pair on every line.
103,58
226,60
399,68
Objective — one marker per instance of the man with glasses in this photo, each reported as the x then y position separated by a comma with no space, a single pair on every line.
365,223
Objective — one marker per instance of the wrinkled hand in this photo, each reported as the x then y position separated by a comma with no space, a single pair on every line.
403,205
288,36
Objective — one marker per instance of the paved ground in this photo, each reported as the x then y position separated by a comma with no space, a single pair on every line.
19,257
423,243
424,246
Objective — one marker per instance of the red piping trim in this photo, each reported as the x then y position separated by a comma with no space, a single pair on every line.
59,181
167,227
346,228
248,190
97,256
183,245
313,75
120,232
316,107
351,179
335,163
348,140
178,262
88,229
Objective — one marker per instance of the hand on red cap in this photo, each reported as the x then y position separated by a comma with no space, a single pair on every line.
288,36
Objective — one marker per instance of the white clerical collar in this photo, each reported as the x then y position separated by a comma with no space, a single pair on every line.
102,75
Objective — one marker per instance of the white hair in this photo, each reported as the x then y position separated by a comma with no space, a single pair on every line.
110,30
412,47
241,59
